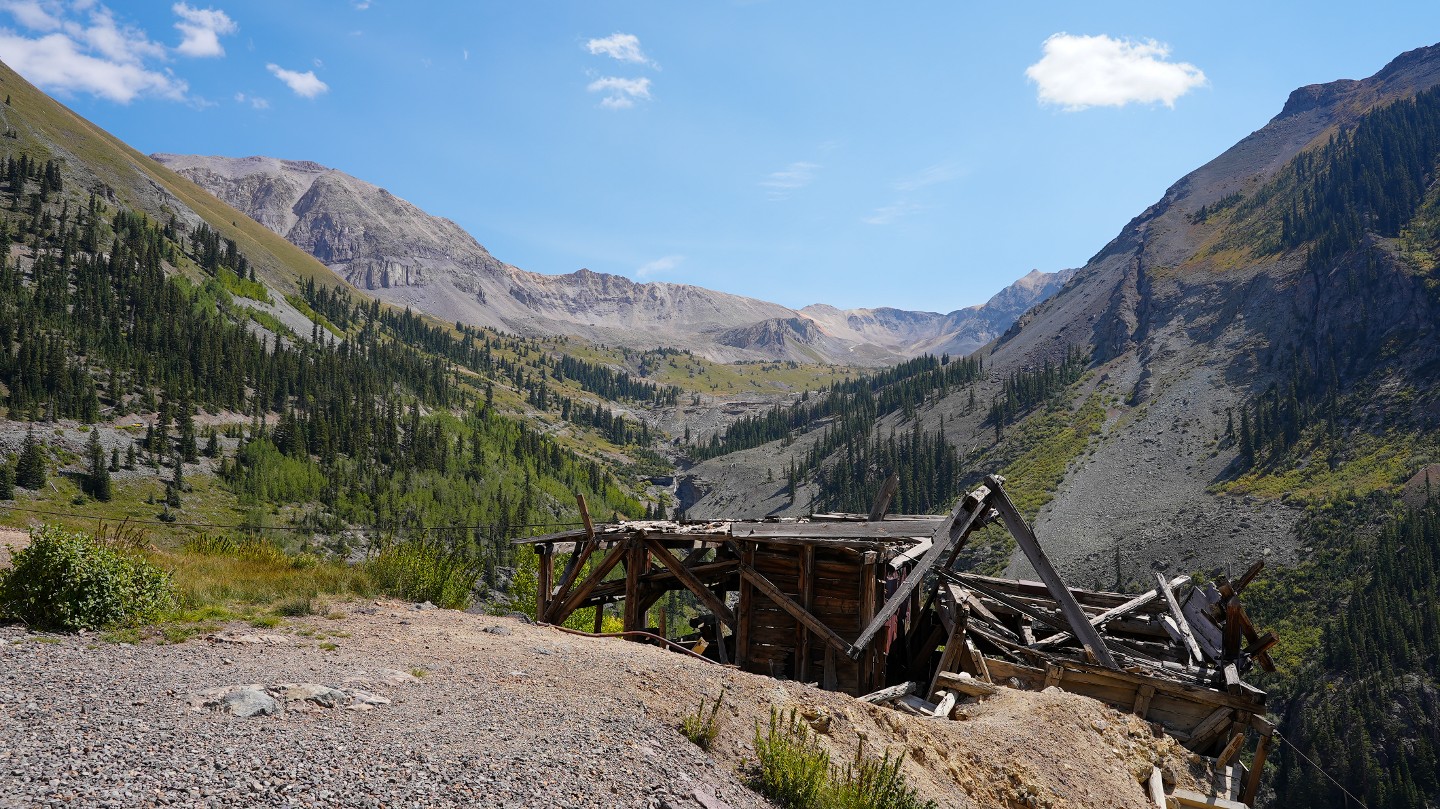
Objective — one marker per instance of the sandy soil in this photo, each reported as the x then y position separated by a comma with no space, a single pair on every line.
11,540
508,714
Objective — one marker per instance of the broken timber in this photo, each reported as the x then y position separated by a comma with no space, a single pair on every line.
874,604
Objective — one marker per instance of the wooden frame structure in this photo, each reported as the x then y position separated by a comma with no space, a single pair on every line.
866,603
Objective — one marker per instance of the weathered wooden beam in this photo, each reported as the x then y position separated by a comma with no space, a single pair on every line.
882,500
1197,607
1187,797
1181,624
807,598
559,610
868,584
693,584
893,692
871,535
1111,614
1156,786
1209,729
945,704
966,685
1232,747
745,556
829,681
637,562
1257,768
544,572
954,648
952,530
1020,608
785,602
1069,607
1143,695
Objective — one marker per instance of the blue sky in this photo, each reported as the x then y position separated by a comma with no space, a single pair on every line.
920,155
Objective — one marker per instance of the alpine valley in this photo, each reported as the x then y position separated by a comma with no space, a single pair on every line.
1245,372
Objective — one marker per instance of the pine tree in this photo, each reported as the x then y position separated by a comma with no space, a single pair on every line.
30,469
7,482
98,481
130,457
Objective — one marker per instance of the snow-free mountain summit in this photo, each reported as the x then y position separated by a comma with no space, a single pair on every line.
399,253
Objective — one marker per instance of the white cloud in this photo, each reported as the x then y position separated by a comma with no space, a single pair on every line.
1077,72
84,49
624,47
201,29
305,85
57,62
361,5
31,14
620,93
931,175
890,214
255,102
794,176
660,265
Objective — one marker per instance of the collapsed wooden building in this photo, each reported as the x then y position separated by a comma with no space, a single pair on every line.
873,605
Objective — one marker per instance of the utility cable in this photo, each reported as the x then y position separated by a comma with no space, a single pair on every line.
1348,795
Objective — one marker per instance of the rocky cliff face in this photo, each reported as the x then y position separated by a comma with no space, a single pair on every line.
396,251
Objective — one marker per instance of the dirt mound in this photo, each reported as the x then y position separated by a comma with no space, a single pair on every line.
506,714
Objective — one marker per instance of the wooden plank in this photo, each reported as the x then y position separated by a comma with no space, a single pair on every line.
1233,631
693,584
1210,729
1186,797
982,666
1232,748
1053,674
1019,608
1143,695
1099,621
788,604
582,590
1257,768
1156,785
915,552
965,684
951,531
1181,625
882,500
1094,600
893,692
917,706
1074,615
1206,633
946,704
836,533
954,648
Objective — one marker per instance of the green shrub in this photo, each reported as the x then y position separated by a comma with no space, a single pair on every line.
700,728
793,767
795,772
69,581
424,570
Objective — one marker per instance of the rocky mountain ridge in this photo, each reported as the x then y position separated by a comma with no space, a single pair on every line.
395,251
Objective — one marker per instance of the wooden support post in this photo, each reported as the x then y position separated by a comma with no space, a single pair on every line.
1143,695
952,532
1181,624
599,618
544,572
829,682
637,560
1053,673
882,500
807,600
954,648
1074,615
868,566
1257,767
745,557
694,585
